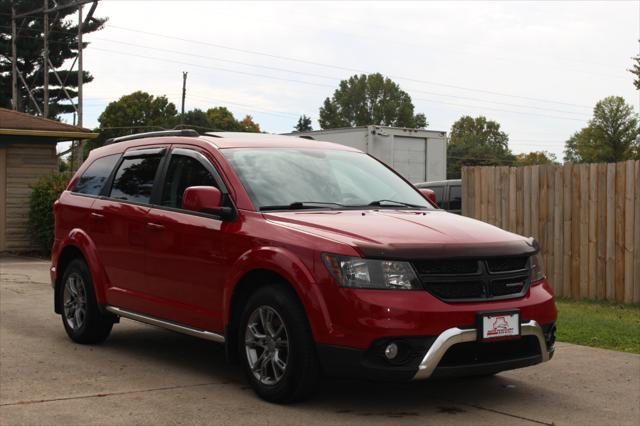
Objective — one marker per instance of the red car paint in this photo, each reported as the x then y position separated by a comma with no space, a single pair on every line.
185,268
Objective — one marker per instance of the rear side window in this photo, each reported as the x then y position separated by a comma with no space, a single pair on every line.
93,179
182,173
455,197
134,179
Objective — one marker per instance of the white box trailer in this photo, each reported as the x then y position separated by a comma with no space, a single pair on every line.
417,154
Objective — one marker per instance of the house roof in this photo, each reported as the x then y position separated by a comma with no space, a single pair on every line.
20,124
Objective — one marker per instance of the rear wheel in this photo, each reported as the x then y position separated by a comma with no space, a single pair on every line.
82,320
276,346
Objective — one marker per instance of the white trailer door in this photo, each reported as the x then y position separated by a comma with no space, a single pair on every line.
409,158
436,159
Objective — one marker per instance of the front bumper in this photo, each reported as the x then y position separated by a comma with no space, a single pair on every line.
454,352
454,336
356,318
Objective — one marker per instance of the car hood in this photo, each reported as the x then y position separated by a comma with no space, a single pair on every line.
407,234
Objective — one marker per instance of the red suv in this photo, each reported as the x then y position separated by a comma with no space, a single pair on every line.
302,257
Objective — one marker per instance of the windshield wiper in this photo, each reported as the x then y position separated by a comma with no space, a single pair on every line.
299,205
380,203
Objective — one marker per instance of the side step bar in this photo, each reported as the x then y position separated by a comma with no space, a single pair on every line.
203,334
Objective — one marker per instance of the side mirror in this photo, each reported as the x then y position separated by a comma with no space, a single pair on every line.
429,195
204,199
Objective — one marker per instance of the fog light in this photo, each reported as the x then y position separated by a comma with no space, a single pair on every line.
391,351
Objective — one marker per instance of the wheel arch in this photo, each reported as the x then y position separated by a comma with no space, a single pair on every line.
79,245
264,267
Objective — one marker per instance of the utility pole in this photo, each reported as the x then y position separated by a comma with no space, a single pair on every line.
14,59
80,68
80,143
45,59
184,94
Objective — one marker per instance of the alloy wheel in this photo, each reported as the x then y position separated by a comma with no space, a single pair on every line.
75,301
267,345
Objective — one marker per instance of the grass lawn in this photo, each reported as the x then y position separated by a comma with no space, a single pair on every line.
599,324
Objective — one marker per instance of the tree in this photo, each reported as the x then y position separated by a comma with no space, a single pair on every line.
198,120
476,141
611,135
41,223
248,125
304,124
221,119
63,45
369,99
143,112
134,113
636,71
536,157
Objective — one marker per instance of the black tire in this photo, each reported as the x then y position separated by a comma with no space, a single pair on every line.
93,326
302,367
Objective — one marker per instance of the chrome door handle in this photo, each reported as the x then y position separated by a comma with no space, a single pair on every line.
97,216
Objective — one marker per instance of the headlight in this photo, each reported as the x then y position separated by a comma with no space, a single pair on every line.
537,268
356,272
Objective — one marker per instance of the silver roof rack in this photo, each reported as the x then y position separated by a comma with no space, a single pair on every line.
180,132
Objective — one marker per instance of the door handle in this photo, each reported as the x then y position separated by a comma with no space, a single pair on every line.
155,226
97,216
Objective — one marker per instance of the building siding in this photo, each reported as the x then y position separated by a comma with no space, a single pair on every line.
24,165
3,198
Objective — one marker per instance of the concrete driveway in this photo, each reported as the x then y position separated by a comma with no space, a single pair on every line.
145,375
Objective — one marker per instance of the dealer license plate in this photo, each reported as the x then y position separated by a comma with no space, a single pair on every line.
500,324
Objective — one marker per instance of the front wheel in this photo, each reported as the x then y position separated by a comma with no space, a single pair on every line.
276,346
82,320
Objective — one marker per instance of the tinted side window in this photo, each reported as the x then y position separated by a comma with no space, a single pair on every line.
439,191
134,179
182,173
455,197
94,178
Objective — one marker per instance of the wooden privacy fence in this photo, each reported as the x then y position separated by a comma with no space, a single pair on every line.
586,218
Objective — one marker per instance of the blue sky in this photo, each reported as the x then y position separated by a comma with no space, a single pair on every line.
535,67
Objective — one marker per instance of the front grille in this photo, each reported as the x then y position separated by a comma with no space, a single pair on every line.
447,267
459,290
475,279
505,264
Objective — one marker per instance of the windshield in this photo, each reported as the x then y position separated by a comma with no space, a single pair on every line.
281,178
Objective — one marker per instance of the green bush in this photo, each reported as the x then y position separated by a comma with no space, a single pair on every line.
44,193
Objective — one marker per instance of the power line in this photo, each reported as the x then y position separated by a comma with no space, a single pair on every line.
280,57
336,78
248,107
247,64
214,68
503,110
548,146
217,101
323,76
494,102
312,83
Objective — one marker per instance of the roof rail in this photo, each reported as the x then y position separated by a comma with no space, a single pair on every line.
180,132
